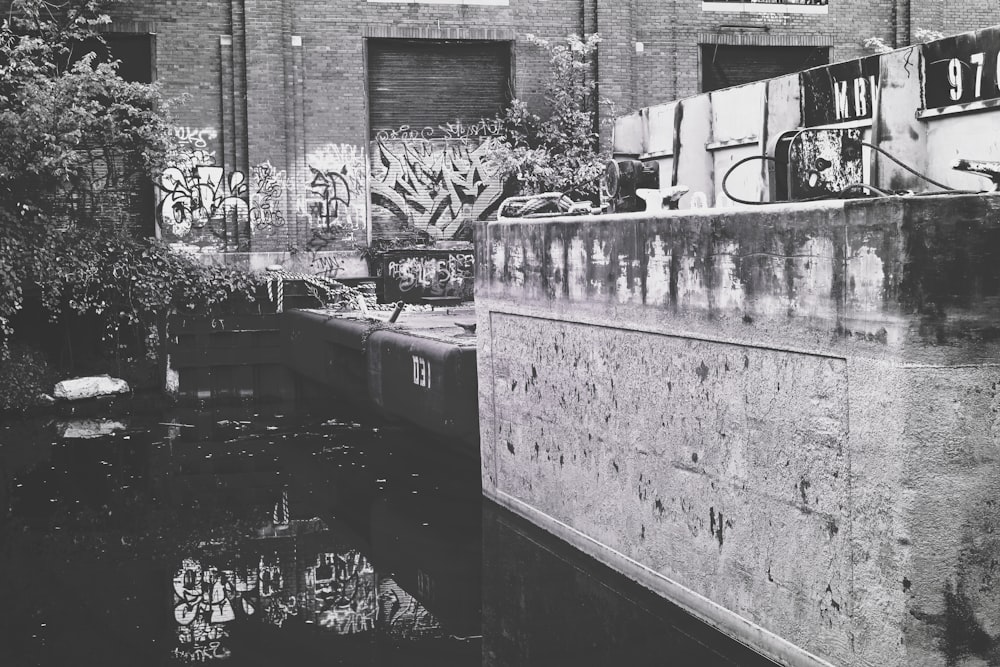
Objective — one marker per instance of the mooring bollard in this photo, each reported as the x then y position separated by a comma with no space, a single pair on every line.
395,312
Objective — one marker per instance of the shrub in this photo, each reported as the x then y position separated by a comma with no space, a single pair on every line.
561,152
24,376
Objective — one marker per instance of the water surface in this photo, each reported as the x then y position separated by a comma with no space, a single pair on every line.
295,536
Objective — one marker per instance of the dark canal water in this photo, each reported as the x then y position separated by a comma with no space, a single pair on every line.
294,536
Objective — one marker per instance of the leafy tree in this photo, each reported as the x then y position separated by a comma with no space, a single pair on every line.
561,152
77,140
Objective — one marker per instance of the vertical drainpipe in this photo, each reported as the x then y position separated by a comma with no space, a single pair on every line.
901,15
288,89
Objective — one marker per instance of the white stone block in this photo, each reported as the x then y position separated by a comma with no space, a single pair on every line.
90,387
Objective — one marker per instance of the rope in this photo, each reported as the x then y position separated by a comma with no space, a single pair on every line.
328,286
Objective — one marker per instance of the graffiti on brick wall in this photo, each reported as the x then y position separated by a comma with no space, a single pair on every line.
434,187
335,196
195,138
267,186
331,196
458,130
195,194
327,266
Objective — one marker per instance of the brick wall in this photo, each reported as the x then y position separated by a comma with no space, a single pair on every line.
280,90
276,90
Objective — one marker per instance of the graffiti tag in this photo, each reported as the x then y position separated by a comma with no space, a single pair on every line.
434,276
191,199
196,137
436,186
332,191
267,185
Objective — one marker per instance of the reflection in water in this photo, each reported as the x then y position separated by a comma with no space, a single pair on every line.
227,537
267,539
545,603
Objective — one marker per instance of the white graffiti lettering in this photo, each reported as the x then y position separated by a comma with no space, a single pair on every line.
437,277
197,137
488,127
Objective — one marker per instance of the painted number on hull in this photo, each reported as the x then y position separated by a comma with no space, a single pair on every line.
421,372
964,69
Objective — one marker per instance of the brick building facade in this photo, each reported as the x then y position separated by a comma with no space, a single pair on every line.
278,112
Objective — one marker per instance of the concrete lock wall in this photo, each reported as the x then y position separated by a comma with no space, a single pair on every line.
784,419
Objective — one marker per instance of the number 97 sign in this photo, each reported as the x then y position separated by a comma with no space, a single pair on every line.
962,70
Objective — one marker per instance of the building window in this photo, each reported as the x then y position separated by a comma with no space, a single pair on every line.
767,6
723,65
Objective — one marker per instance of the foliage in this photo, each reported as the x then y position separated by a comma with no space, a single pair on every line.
561,152
920,35
24,375
373,252
77,139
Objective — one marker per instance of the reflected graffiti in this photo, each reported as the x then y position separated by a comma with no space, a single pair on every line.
205,600
436,187
344,592
402,615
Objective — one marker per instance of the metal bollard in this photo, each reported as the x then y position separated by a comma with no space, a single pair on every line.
395,312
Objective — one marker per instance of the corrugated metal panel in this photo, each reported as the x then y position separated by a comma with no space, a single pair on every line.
429,83
723,66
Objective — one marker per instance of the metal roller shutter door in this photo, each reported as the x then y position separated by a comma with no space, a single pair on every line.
430,83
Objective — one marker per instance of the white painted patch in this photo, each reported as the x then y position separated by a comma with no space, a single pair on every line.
657,273
421,372
576,270
865,278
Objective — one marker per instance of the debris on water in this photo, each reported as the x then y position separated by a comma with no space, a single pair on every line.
176,424
337,422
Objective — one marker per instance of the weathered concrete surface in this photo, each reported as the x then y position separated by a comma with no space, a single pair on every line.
784,418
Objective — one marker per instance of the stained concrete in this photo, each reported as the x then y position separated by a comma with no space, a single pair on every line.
784,418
